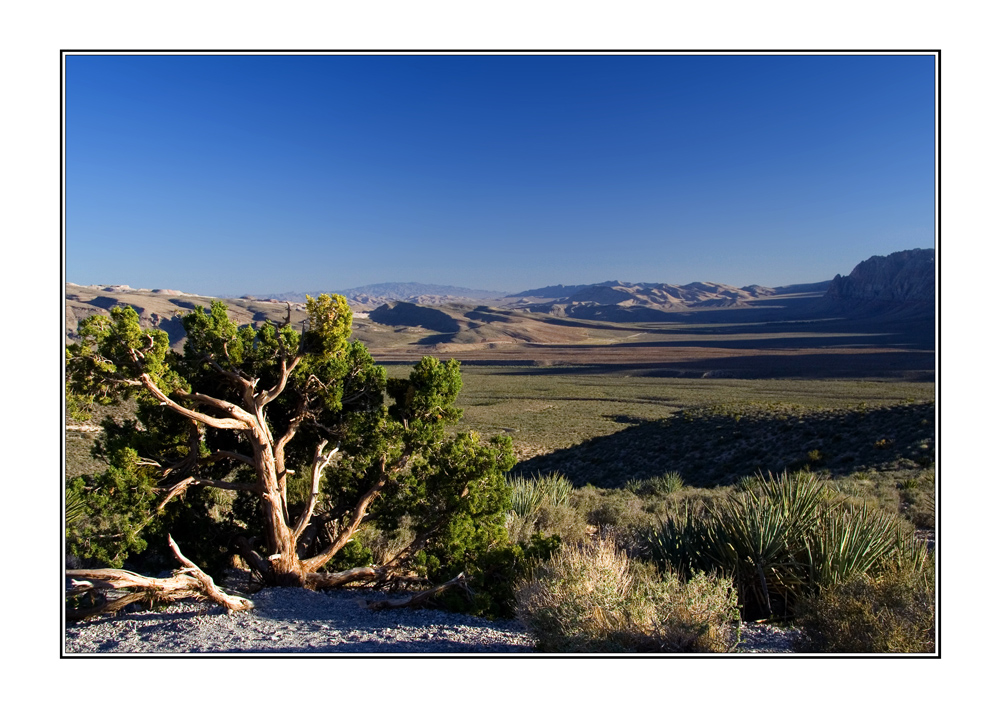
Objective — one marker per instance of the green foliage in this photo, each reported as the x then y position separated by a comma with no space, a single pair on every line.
110,511
459,498
592,598
450,488
891,613
353,555
849,542
678,543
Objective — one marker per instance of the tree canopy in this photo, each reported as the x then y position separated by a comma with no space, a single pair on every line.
279,445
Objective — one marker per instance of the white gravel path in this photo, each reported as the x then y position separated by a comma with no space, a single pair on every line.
294,620
287,620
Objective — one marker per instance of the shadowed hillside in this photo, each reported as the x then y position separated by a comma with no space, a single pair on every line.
719,445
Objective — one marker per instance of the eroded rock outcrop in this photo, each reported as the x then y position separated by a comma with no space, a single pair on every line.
904,276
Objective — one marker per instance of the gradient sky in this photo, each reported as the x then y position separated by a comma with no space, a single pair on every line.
225,175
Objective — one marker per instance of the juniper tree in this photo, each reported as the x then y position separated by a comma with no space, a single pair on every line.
304,427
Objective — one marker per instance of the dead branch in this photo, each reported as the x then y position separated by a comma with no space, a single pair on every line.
245,549
318,581
348,530
241,420
319,462
188,582
230,602
202,482
421,597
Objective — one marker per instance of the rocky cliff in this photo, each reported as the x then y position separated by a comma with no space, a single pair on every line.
901,277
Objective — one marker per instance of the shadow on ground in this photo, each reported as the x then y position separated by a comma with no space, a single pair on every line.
719,445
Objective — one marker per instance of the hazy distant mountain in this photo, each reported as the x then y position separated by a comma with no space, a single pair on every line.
900,286
554,291
381,293
595,300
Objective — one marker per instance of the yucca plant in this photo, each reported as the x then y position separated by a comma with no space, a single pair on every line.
849,542
678,544
526,497
667,483
76,506
556,488
757,537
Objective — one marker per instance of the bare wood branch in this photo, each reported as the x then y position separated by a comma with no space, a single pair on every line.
348,529
228,454
420,597
243,383
230,602
202,482
414,546
113,606
293,427
241,422
320,461
189,582
253,559
231,408
317,581
265,397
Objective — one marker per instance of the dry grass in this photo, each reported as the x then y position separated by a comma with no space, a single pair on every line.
592,598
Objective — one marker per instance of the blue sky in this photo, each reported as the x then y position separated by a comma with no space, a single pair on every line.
224,175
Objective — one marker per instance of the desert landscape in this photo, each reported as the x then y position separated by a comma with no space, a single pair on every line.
644,402
501,352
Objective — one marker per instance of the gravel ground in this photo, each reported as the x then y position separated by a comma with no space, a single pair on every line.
289,620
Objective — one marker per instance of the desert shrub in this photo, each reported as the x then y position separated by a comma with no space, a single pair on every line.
493,576
561,520
613,508
891,613
593,598
781,538
664,484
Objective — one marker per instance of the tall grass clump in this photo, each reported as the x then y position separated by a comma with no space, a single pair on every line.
593,598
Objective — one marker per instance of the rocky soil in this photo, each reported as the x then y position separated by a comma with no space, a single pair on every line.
292,620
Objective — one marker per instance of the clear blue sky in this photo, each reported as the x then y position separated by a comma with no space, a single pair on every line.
224,175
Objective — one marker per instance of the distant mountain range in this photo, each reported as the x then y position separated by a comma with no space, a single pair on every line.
900,285
381,293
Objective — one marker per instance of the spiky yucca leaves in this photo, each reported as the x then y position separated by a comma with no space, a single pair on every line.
678,543
783,537
76,506
758,537
528,495
849,542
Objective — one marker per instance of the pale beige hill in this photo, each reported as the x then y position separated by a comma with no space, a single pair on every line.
457,325
164,308
436,328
